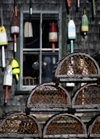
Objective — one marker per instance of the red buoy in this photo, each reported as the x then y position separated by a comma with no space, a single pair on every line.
14,28
53,34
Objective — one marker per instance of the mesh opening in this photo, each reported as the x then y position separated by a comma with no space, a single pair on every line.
48,96
96,127
64,125
80,65
88,95
77,65
19,124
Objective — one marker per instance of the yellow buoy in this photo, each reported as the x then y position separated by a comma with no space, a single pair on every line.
15,69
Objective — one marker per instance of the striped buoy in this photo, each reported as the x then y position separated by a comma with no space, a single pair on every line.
3,36
3,41
28,31
14,25
71,33
53,34
14,29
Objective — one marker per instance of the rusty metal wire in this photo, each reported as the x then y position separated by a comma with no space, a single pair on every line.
87,96
96,127
77,65
64,124
19,124
49,96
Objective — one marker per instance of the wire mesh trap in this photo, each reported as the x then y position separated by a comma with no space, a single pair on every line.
77,67
94,129
88,96
63,126
20,125
49,97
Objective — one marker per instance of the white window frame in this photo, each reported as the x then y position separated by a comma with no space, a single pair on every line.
19,56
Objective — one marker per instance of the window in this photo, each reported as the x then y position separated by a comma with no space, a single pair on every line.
35,55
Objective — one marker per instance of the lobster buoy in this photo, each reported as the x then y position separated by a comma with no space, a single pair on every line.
15,68
14,29
53,34
84,27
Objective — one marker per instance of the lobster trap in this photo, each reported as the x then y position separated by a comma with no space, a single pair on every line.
94,129
49,97
77,67
20,125
87,97
64,126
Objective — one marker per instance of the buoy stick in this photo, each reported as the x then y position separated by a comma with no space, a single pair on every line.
14,42
30,7
6,95
17,77
68,2
3,57
53,47
15,3
72,46
93,3
78,4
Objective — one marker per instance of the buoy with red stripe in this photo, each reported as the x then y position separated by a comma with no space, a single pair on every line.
53,35
28,30
14,29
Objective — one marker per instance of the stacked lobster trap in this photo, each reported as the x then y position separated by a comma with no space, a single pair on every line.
53,98
81,68
20,125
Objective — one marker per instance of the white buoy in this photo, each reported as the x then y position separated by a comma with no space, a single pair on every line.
7,80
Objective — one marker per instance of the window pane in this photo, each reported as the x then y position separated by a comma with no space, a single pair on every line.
46,23
30,69
48,63
31,26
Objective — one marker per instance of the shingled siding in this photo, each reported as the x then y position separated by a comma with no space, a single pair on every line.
90,45
17,102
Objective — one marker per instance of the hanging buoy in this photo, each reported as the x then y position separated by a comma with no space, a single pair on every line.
3,39
28,29
53,35
71,33
7,80
15,69
71,36
14,29
84,27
